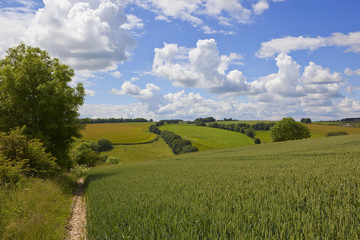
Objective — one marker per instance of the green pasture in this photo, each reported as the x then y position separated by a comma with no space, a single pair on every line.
205,138
119,133
140,152
304,189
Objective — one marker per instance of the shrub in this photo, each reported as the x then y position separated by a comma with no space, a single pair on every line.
189,148
9,173
83,155
28,157
257,141
94,146
331,134
113,160
104,145
103,158
250,132
79,171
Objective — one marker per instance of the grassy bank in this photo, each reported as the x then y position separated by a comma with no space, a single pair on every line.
298,189
36,209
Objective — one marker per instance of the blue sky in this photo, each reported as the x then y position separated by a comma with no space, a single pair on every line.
163,59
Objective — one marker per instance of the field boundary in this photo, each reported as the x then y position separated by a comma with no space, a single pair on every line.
147,142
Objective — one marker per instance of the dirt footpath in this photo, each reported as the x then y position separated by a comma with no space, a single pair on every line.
77,223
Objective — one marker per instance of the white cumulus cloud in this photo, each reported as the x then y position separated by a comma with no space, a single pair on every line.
201,67
288,44
133,22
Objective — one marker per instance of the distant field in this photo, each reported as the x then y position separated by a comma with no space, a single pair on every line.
140,152
321,130
304,189
251,122
338,123
119,133
205,138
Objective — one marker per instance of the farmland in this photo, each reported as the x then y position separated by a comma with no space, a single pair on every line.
318,130
299,189
140,152
205,138
119,133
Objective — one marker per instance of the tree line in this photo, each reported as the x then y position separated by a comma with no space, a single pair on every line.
177,144
112,120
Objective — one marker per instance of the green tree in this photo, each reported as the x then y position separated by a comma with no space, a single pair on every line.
34,91
104,145
288,129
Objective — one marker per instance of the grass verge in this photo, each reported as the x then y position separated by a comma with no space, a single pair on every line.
36,208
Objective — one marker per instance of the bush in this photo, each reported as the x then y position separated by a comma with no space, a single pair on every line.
83,155
331,134
189,148
9,173
288,129
103,158
250,132
104,145
94,146
79,171
28,157
257,141
113,160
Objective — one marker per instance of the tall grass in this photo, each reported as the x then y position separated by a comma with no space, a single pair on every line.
300,189
36,208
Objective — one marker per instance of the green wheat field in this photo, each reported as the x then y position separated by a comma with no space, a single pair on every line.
304,189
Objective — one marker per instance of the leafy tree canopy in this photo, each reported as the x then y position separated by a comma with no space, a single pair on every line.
34,91
288,129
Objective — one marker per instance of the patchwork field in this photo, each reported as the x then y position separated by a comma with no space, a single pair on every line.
119,133
305,189
205,138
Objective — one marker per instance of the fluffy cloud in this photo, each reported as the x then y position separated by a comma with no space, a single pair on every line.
287,44
203,67
227,12
349,72
150,96
132,22
260,7
14,23
200,67
85,35
192,105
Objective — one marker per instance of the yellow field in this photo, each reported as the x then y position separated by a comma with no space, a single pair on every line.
318,130
119,133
